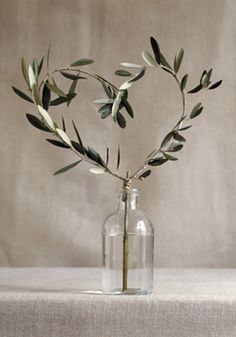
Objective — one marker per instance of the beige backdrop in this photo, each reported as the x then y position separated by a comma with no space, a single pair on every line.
56,221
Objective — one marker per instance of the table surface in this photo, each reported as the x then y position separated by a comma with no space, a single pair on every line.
51,302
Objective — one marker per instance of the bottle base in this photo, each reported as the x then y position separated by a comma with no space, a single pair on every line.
129,291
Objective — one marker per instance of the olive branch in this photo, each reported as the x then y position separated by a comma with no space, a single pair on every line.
114,105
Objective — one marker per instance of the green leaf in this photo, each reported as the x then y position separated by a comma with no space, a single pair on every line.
40,65
185,128
61,100
24,71
195,108
128,107
137,76
179,137
167,138
53,87
174,147
97,170
164,62
108,90
196,89
35,67
117,103
36,95
94,155
178,59
118,159
105,110
58,143
131,65
37,123
122,72
107,156
156,49
22,94
184,82
125,86
72,91
63,136
149,59
68,167
195,112
71,76
121,120
157,161
202,76
78,136
46,97
63,124
32,79
168,156
216,85
78,147
206,80
82,62
145,174
47,118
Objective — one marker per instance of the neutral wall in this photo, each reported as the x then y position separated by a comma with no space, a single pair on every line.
56,221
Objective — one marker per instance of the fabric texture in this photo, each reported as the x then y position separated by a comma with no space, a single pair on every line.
55,221
50,303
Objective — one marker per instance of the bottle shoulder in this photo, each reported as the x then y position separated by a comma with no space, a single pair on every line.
138,222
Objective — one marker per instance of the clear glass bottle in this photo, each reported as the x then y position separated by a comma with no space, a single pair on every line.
128,247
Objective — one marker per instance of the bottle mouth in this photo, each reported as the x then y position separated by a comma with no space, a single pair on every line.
134,191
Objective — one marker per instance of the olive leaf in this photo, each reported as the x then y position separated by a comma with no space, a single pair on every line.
157,161
105,110
178,59
174,147
47,118
46,97
137,76
97,170
94,155
156,49
78,135
178,137
116,103
185,128
82,62
40,66
71,76
145,174
58,143
63,136
118,159
37,123
63,124
128,107
71,92
131,65
122,72
78,147
196,110
108,90
164,63
48,56
216,85
167,138
184,82
168,156
22,94
36,95
107,156
104,101
121,120
61,100
35,68
68,167
149,59
196,89
53,87
32,79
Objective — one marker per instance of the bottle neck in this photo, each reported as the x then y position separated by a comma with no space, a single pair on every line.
132,199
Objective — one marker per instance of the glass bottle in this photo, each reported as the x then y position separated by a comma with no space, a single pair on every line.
128,247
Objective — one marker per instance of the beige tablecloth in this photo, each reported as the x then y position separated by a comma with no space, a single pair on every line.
48,302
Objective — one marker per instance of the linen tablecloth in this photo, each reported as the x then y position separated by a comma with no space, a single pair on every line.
48,302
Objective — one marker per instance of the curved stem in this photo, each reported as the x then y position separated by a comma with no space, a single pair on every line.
178,125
